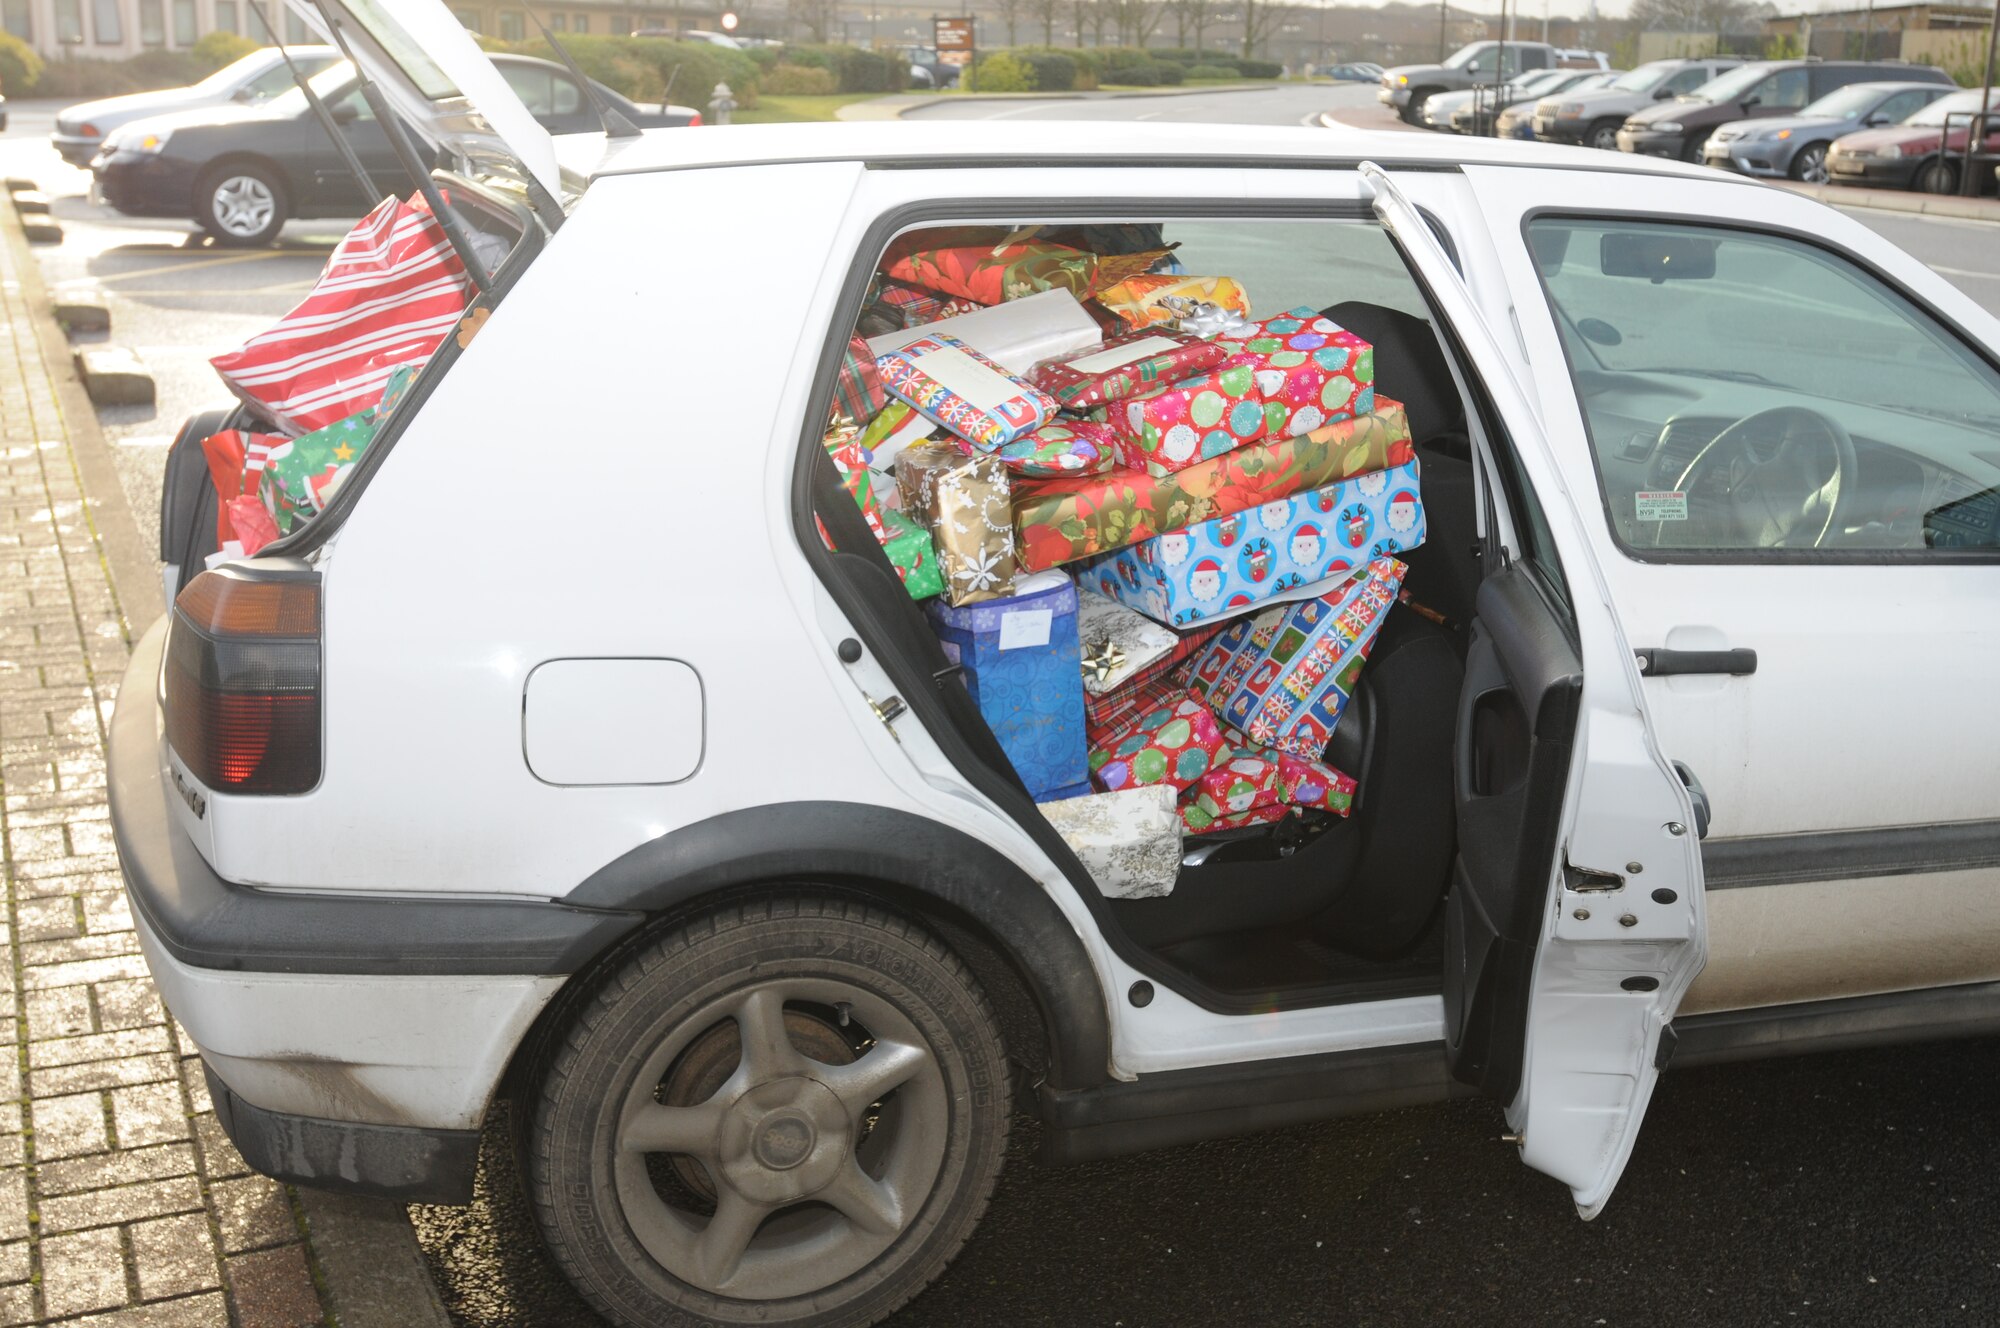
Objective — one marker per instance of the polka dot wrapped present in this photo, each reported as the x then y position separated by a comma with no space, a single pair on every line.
1298,372
1176,743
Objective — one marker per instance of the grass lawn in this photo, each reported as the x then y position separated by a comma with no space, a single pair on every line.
792,109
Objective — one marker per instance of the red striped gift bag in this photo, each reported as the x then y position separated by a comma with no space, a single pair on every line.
388,295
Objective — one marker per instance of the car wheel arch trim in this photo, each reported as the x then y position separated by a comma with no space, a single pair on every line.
850,846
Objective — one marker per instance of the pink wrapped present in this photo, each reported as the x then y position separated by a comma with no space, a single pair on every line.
1176,743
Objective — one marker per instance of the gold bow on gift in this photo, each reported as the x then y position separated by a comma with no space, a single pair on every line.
1101,659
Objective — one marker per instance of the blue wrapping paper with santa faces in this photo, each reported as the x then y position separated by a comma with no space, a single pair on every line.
1233,563
1022,663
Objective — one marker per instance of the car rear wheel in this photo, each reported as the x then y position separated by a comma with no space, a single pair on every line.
1413,109
787,1112
1809,164
241,203
1603,134
1936,177
1695,148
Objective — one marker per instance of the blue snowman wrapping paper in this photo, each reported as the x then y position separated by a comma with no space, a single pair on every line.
1229,565
1024,667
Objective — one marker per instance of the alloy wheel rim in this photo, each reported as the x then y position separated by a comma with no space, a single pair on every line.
1606,139
814,1168
1813,168
244,205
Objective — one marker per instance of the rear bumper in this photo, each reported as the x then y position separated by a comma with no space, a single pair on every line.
1393,96
357,1040
1881,174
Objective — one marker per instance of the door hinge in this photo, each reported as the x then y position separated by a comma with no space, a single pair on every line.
889,709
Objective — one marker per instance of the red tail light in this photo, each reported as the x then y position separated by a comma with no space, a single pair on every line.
695,123
242,680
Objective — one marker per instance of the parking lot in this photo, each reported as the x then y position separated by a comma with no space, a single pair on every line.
1851,1189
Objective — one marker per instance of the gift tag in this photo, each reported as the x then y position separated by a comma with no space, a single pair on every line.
1025,627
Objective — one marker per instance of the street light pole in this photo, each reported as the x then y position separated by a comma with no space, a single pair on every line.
1443,11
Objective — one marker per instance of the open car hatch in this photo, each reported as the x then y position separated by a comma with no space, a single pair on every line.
442,85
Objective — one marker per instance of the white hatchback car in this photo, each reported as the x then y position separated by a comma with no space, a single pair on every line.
628,799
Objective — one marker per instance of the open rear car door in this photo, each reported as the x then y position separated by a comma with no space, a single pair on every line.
1575,920
442,85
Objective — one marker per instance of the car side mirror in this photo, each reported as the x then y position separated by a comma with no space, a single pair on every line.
1472,67
1751,102
1656,257
1661,94
1876,119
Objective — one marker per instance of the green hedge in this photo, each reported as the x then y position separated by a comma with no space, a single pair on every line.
1053,70
20,67
853,69
1259,68
797,80
1003,71
1212,71
640,67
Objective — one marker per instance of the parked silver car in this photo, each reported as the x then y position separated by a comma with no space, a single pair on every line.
256,78
1593,118
1795,145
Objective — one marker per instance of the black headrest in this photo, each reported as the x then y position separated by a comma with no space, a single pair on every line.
1409,366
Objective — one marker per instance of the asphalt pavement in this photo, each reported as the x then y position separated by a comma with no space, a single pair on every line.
1846,1189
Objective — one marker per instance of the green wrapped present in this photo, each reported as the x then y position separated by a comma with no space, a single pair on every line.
301,475
915,558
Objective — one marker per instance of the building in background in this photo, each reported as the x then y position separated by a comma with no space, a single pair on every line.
1952,37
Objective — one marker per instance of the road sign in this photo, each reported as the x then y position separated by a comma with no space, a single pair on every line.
953,39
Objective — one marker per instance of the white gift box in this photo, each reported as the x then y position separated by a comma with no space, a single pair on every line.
1016,335
1129,841
1136,641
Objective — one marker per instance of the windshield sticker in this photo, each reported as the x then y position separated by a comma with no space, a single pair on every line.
1661,505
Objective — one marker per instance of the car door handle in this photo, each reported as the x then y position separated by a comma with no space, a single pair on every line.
1660,662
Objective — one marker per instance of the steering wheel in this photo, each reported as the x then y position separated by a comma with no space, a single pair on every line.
1756,484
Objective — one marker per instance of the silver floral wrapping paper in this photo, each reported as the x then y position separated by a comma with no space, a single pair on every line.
1130,841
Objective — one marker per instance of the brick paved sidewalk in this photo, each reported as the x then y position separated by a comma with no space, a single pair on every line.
121,1202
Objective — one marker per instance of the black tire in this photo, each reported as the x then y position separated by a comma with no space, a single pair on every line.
243,204
1413,109
1936,176
1809,164
1602,135
1692,148
643,1056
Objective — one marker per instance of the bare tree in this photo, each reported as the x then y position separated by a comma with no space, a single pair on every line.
1135,20
1260,20
1192,16
1090,14
1010,12
817,17
1047,11
1697,15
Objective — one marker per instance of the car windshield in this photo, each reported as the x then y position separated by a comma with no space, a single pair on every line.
1849,103
1543,80
327,82
1645,78
1730,86
1958,103
1465,55
226,78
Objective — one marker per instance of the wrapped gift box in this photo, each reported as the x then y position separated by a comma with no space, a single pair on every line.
967,393
857,392
913,555
966,261
913,306
1074,517
1064,446
1297,372
1243,783
1145,688
390,291
1016,335
1125,366
851,459
1310,372
1117,643
1137,300
1229,565
301,475
1019,657
1198,822
1174,743
1283,677
1129,841
1315,784
963,502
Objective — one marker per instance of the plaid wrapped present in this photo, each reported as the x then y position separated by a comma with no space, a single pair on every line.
1124,366
857,393
1144,688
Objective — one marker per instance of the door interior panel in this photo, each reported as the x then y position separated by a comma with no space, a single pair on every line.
1516,729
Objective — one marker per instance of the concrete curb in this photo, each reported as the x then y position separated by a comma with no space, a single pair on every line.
1896,200
371,1268
113,376
899,107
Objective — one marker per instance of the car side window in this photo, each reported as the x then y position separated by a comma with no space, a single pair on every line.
1789,88
532,87
1904,104
269,84
355,107
565,97
1689,79
1752,394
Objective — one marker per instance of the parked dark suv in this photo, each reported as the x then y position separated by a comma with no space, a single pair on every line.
1680,128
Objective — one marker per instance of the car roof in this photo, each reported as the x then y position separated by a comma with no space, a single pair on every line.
1016,143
